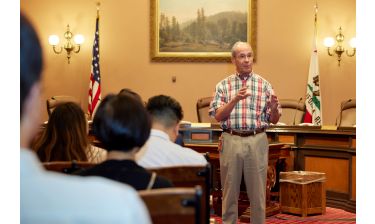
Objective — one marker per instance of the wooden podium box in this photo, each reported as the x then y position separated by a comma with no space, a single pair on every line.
302,192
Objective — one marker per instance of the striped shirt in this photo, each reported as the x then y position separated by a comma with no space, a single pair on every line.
250,113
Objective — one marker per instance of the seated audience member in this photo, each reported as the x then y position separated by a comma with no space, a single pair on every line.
122,125
49,197
160,150
65,137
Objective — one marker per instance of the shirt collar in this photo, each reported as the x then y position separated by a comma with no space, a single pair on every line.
246,77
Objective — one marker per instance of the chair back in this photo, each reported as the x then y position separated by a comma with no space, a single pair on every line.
173,205
292,111
56,100
347,117
67,167
202,107
190,176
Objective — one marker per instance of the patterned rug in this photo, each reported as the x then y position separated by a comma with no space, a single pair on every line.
332,216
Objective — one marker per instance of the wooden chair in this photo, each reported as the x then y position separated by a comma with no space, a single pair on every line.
190,176
67,167
173,205
347,116
202,107
292,111
56,100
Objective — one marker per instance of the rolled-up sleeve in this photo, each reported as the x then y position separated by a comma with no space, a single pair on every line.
219,100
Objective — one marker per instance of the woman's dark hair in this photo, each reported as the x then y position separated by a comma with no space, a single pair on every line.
121,123
65,137
30,58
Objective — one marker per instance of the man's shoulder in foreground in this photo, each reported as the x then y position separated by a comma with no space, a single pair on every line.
48,197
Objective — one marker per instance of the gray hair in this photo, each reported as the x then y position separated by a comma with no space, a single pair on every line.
235,46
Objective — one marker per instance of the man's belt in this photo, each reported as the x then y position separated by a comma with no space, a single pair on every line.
244,133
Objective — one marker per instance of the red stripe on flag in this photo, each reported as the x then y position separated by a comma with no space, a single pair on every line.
96,98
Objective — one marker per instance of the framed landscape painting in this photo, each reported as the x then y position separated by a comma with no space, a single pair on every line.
200,30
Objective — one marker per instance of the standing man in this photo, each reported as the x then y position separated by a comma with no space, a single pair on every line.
244,103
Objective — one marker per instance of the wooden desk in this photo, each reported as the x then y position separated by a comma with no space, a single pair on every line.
332,152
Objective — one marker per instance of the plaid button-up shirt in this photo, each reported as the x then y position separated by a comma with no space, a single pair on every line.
250,113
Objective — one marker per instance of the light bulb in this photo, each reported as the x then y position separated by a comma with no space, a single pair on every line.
353,42
79,39
53,40
329,41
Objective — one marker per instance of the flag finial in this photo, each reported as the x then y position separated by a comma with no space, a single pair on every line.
97,8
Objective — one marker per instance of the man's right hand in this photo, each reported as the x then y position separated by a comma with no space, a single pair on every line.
223,112
242,94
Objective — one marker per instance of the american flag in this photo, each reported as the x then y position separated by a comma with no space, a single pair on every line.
94,87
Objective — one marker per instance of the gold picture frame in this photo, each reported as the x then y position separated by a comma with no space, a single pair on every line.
205,38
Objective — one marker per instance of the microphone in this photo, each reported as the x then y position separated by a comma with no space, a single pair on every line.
295,111
342,107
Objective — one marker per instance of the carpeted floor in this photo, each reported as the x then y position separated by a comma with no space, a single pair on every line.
332,216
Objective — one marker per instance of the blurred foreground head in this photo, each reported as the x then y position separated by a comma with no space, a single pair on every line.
31,62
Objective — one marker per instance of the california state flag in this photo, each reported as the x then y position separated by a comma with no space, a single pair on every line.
313,114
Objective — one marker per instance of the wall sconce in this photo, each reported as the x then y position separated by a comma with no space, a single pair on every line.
69,46
339,49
